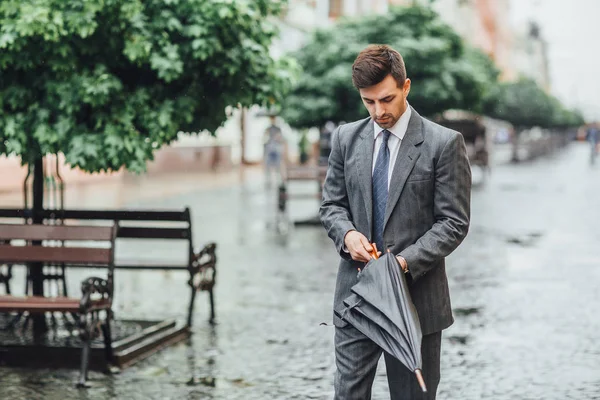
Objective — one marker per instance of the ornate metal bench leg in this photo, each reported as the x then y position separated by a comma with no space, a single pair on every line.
106,332
89,321
192,299
203,272
85,358
212,307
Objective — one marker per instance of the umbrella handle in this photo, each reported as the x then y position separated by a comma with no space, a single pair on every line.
421,380
373,251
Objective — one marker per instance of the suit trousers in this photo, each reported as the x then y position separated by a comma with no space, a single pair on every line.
356,359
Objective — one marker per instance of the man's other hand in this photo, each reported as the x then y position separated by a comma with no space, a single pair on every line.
403,263
358,246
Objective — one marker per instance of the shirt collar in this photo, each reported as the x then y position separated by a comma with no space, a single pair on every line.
399,129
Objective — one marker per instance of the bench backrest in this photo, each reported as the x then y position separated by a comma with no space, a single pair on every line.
130,232
35,250
143,230
131,224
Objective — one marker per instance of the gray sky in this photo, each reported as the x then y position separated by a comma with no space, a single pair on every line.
572,30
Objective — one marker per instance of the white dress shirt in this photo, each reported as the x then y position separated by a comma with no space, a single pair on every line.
397,134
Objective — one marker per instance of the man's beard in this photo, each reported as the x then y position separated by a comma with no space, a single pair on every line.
387,121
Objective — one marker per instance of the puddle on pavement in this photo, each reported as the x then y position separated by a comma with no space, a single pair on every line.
240,382
526,240
154,371
209,381
277,341
459,339
510,187
466,311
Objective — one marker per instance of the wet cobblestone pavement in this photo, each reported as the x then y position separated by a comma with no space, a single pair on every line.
525,290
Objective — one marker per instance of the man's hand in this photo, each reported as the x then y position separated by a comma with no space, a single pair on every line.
358,246
403,263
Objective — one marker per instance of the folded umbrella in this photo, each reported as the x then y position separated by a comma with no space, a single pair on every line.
381,308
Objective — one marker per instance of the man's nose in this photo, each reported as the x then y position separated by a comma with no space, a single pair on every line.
379,110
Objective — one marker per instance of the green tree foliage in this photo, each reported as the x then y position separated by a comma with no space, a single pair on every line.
569,118
445,73
563,117
524,104
107,82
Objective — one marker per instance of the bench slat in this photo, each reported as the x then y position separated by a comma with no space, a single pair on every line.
14,213
120,215
108,215
78,255
157,267
38,304
55,232
152,233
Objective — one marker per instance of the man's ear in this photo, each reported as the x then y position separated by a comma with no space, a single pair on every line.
406,88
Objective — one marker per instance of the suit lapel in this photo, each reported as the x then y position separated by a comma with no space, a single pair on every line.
408,154
364,166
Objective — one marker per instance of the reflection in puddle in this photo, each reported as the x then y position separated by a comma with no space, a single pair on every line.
526,240
459,339
209,381
466,311
240,382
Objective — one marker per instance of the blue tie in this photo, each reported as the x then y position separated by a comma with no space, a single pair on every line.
380,190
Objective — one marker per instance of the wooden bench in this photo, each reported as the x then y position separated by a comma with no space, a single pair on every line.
148,225
38,245
316,173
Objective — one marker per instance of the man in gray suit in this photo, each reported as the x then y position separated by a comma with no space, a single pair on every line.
403,183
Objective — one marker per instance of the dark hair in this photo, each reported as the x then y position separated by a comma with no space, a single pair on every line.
376,62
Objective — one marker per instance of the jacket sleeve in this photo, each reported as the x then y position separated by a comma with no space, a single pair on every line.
335,208
451,207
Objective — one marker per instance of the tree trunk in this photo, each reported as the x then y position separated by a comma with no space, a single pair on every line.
36,269
243,134
515,146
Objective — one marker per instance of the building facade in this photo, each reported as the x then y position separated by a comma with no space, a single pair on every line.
486,24
530,55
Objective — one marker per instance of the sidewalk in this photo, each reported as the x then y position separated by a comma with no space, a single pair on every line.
121,190
175,159
524,288
13,175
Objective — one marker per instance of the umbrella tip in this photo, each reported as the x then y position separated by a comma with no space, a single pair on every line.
421,380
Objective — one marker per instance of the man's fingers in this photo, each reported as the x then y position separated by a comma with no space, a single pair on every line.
365,255
360,254
361,249
365,243
364,252
359,258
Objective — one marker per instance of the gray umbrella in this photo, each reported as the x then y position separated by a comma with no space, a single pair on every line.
381,308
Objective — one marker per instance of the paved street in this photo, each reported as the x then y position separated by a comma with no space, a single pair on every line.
524,284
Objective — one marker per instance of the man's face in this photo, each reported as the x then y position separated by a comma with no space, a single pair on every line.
386,101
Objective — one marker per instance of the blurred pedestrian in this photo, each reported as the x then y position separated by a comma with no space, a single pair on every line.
274,148
593,137
404,183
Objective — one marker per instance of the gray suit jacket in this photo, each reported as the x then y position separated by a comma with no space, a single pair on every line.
427,214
